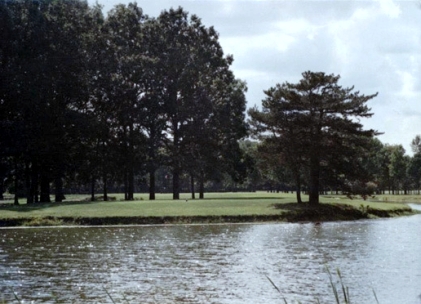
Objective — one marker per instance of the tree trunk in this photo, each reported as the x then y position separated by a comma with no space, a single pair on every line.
152,184
126,188
176,171
192,186
314,182
298,189
34,184
16,198
92,188
59,196
176,184
201,185
45,189
29,195
105,191
1,188
130,196
152,159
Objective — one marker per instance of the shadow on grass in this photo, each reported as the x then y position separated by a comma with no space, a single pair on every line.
38,206
243,198
321,212
335,212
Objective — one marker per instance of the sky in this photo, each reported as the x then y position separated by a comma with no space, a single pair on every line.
374,46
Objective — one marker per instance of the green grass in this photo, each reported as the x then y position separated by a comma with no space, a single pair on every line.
214,205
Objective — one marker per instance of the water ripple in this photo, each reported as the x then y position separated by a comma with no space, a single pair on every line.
214,263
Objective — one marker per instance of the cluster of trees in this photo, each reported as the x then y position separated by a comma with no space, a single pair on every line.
89,101
93,99
383,169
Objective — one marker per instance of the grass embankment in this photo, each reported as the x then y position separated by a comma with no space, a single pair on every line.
215,208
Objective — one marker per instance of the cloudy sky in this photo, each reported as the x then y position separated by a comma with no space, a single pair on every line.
374,46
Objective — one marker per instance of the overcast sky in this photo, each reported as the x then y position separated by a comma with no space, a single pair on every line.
374,46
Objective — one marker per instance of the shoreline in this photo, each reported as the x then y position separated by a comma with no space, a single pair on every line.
294,214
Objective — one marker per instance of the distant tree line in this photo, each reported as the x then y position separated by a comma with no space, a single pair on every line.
92,100
384,169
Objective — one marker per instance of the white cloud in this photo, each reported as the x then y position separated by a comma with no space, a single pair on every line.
408,83
390,8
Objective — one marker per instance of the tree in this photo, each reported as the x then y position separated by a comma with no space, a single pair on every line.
211,141
397,167
193,67
227,126
154,122
287,153
414,171
43,62
375,164
316,121
416,144
127,88
254,163
119,90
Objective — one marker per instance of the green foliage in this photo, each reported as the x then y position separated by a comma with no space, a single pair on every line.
414,170
204,103
312,128
45,86
87,98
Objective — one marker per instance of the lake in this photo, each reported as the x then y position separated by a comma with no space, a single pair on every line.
213,263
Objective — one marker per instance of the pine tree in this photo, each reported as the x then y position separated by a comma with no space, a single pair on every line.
316,124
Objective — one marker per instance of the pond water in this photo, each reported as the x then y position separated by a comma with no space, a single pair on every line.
213,263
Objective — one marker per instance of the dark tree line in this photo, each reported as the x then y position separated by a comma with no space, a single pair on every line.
93,99
381,169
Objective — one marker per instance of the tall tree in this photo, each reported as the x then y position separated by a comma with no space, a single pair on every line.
193,63
414,171
317,120
153,99
397,167
125,87
211,140
45,83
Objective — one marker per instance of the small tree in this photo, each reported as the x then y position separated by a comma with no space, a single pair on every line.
414,171
316,124
416,144
397,167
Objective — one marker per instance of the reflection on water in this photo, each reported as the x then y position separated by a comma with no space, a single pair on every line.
213,264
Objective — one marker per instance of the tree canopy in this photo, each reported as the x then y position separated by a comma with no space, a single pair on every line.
313,127
91,99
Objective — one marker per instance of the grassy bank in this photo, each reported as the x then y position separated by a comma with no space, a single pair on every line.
215,208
